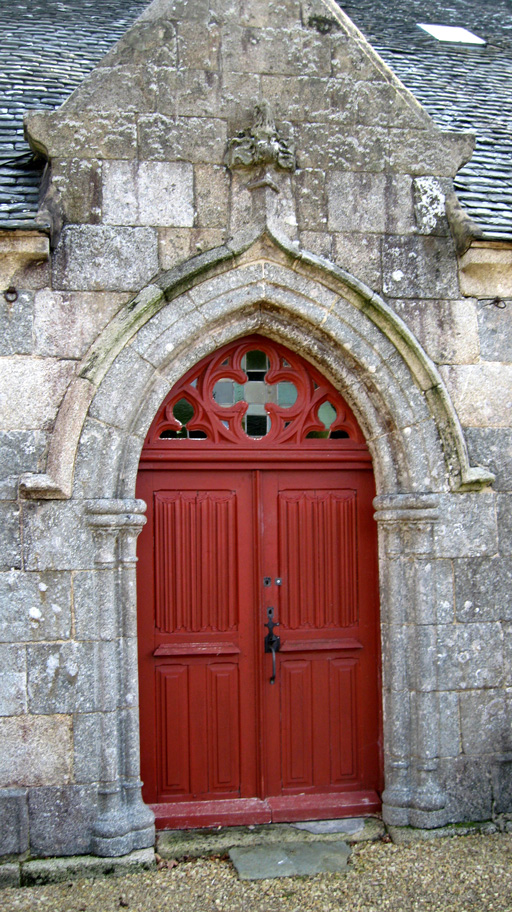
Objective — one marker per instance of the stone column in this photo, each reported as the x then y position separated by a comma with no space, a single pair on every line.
412,795
123,821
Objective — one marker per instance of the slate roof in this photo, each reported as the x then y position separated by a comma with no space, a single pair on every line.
49,46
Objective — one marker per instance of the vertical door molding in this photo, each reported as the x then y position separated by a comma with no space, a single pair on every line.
123,821
413,795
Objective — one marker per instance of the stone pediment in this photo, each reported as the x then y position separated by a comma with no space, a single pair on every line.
184,80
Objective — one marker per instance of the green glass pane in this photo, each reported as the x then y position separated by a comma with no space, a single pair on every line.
183,411
286,394
327,414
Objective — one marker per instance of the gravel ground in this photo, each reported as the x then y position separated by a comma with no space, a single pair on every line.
453,875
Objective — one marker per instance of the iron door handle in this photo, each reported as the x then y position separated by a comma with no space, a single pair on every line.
272,642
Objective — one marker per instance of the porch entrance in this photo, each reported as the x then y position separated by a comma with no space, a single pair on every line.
257,593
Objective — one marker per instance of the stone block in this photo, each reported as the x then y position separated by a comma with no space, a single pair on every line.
70,677
147,44
495,327
469,656
360,148
467,525
305,98
429,195
16,319
123,89
317,242
505,523
20,451
13,823
65,325
98,460
13,682
507,653
199,49
111,404
192,93
211,196
10,875
283,51
101,258
447,330
367,202
483,588
449,725
36,750
148,193
502,786
61,820
483,722
90,867
78,182
31,390
55,537
10,536
36,606
419,266
492,447
87,747
311,199
193,139
481,393
382,104
360,255
467,783
425,152
175,245
99,137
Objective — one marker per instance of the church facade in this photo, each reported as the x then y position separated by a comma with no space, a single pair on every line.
243,365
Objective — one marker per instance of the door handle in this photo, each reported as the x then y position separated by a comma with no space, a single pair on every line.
272,642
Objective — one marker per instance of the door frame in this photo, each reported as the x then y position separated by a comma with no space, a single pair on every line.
190,814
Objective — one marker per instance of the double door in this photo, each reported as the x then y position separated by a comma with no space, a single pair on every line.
258,644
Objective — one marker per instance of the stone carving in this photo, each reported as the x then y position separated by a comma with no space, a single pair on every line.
261,144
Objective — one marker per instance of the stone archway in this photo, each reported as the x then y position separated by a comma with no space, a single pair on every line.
419,456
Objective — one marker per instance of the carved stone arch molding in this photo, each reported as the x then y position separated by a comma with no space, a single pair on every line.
267,285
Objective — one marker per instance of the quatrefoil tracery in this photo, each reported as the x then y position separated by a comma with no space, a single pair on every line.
253,391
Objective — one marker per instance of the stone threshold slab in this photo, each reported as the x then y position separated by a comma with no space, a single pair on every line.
264,862
202,842
55,870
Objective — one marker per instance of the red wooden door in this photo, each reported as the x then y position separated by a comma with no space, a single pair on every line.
232,531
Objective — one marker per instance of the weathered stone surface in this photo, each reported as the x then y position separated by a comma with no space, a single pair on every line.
98,258
305,98
358,149
422,266
148,193
175,245
193,93
78,182
360,255
10,537
66,324
110,404
55,537
423,152
195,139
20,451
467,783
505,523
280,51
367,202
481,393
485,271
448,330
469,656
10,875
13,681
449,725
467,526
495,328
211,196
57,870
502,786
483,587
87,746
72,677
482,716
106,135
317,242
429,195
16,320
61,820
492,447
39,384
13,825
36,750
36,606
